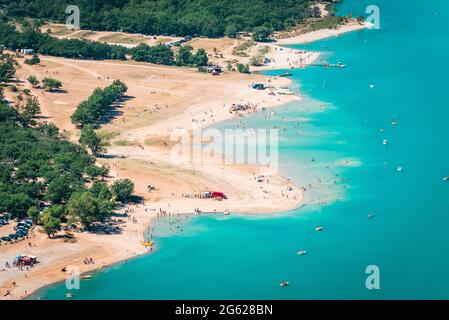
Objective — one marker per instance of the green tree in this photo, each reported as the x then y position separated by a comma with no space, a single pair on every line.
201,58
100,190
90,139
30,111
33,81
243,68
34,60
153,54
84,207
17,204
123,190
95,171
60,188
33,214
50,84
50,222
261,34
231,31
184,56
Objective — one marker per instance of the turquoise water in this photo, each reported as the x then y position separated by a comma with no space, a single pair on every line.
245,257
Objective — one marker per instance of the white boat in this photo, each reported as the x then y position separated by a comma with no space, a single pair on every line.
385,142
370,216
372,86
301,252
394,123
284,283
87,277
226,212
446,179
319,228
400,169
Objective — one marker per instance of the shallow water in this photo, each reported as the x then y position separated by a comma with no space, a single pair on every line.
245,257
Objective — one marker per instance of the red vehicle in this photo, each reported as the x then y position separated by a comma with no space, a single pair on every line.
219,195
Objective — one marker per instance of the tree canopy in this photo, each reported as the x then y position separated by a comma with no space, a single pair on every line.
179,17
98,104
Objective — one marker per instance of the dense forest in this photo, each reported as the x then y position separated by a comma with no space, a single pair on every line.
179,17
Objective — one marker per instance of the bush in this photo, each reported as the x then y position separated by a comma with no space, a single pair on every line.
123,190
261,34
34,60
243,68
94,108
50,84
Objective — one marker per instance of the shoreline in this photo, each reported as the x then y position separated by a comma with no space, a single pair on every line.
323,34
119,248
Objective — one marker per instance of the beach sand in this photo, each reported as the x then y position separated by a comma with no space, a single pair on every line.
323,34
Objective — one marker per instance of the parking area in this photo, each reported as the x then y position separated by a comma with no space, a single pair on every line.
12,231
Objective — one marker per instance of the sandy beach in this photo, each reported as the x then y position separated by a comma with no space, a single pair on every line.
323,34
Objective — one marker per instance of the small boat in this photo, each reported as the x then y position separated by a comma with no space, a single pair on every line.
319,228
372,86
445,179
301,252
284,283
86,277
69,295
226,212
146,243
385,142
286,74
400,169
394,123
370,216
